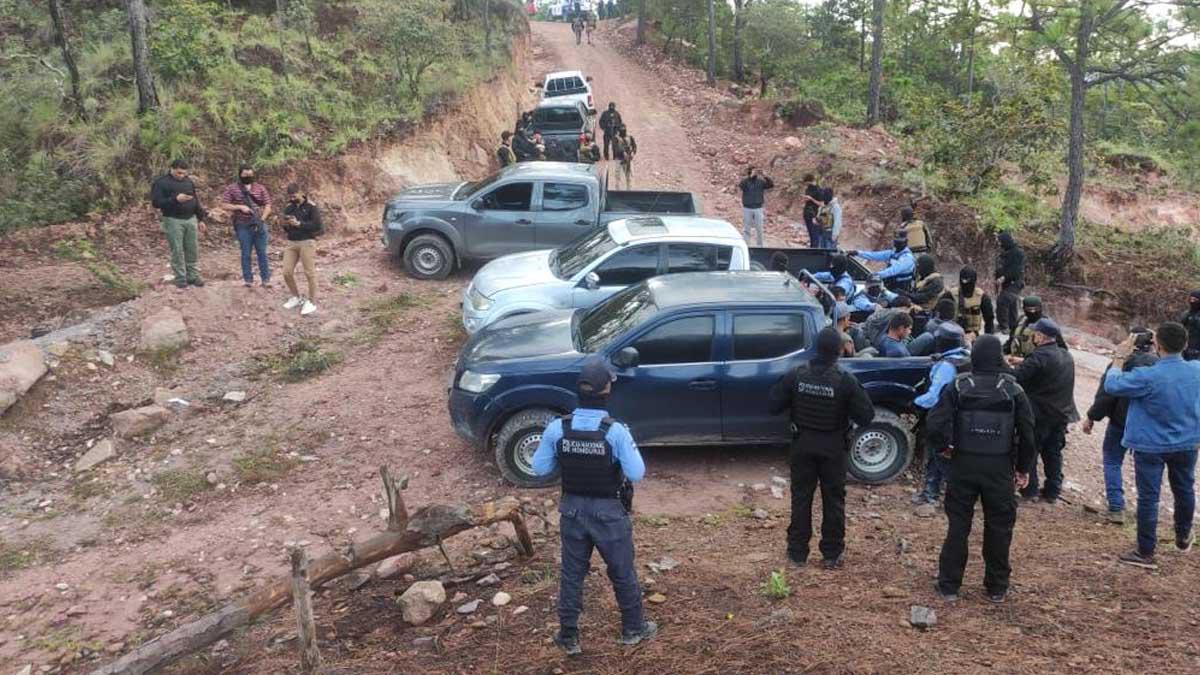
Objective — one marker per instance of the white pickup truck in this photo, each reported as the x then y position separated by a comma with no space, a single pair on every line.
600,263
569,85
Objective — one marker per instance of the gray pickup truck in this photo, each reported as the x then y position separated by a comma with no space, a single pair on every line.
523,207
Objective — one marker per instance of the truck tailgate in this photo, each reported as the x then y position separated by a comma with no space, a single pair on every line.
646,201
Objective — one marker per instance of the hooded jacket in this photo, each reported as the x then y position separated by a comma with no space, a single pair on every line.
1010,264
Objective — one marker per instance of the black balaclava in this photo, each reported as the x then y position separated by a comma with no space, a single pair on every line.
987,355
838,265
829,345
906,214
1194,300
1032,305
900,243
967,277
1007,241
925,265
874,287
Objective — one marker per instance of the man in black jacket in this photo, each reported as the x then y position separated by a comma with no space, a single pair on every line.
1048,376
754,187
610,122
1191,321
824,399
174,195
1115,408
984,423
1010,276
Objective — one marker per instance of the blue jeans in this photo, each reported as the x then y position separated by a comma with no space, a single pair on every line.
597,523
1181,472
1114,457
253,239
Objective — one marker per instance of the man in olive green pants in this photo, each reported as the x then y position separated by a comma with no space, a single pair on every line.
174,195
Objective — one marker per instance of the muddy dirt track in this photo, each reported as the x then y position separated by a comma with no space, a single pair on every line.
204,510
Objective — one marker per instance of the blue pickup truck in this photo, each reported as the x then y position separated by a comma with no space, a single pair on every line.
695,354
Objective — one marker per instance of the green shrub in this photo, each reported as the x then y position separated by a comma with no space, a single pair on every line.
776,586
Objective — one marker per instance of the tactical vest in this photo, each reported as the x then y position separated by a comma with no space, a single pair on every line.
1022,339
902,282
929,304
586,461
918,239
813,400
985,421
970,311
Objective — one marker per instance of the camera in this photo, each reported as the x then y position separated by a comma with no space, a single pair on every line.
1143,340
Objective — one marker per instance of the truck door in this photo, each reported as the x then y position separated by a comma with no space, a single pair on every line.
504,221
765,346
673,395
621,269
566,214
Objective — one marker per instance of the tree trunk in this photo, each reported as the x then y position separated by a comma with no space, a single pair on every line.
60,38
143,74
487,27
876,82
739,22
971,51
306,628
712,44
862,40
641,23
1064,249
280,8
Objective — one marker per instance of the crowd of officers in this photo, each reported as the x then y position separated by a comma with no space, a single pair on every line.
991,409
526,144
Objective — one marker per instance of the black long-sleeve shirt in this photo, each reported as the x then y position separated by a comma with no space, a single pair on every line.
164,195
753,189
1010,264
939,424
610,121
1048,376
309,217
1115,408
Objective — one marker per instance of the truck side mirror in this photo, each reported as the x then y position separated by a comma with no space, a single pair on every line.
591,281
627,357
588,78
477,204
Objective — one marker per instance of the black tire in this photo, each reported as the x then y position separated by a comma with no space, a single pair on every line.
515,443
756,266
428,256
882,450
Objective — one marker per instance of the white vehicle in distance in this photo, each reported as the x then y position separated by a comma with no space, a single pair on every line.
569,85
600,263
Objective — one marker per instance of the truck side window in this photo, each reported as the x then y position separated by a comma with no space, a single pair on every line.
511,197
687,340
564,196
767,336
628,267
698,258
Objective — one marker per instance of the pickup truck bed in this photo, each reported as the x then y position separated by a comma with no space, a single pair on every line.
812,259
640,201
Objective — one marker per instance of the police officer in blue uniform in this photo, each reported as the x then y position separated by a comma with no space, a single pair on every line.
983,422
898,275
951,360
823,399
597,456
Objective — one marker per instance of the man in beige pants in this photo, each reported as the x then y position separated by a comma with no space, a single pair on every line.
302,223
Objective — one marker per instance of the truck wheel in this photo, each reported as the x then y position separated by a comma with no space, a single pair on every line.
756,266
428,256
881,450
516,442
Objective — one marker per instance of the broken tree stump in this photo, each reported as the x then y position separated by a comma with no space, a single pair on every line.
306,627
423,529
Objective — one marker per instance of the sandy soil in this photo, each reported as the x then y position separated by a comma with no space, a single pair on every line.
100,562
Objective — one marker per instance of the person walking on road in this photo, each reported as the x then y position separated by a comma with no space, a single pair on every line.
610,122
983,425
302,224
1163,431
590,27
1191,321
577,29
1116,409
753,188
624,150
505,153
1010,277
824,399
174,195
598,458
249,202
1048,376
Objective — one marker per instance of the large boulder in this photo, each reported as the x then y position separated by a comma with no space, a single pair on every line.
21,365
422,601
164,329
138,421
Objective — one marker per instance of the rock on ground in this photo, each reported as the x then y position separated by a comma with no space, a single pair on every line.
21,366
138,421
922,617
100,452
164,329
421,601
501,599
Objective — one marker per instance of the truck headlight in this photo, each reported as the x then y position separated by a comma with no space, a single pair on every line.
479,301
477,383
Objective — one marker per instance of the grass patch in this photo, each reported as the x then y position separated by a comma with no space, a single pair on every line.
21,556
455,333
382,314
180,485
301,361
654,520
776,586
742,510
262,466
345,280
82,251
84,490
165,360
66,640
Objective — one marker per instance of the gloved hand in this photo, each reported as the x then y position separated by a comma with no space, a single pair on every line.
853,253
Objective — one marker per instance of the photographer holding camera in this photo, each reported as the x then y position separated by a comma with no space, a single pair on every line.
598,459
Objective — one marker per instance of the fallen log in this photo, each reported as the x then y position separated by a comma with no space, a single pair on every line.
425,528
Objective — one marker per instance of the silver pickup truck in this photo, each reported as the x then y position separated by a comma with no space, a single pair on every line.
523,207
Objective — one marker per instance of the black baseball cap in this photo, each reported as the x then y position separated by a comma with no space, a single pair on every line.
595,375
1047,327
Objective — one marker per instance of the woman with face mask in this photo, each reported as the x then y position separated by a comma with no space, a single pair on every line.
302,223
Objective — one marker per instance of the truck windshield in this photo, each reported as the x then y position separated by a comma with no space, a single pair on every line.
616,315
557,119
565,86
570,259
471,187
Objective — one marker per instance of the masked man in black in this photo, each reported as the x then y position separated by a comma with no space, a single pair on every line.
1191,321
